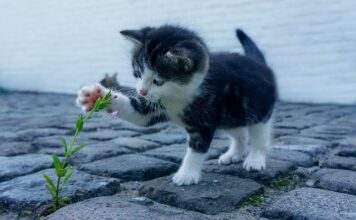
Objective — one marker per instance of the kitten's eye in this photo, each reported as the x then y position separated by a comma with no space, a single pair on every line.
158,82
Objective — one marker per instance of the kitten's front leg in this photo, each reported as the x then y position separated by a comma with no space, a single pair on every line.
87,97
190,170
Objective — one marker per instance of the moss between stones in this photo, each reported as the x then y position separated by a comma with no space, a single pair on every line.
254,201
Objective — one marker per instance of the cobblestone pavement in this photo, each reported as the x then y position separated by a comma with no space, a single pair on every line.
125,171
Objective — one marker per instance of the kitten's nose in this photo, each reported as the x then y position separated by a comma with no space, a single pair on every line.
143,92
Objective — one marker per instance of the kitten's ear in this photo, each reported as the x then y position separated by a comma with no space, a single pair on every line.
135,36
114,75
180,59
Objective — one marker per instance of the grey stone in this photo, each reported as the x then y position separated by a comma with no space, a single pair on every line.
336,180
347,152
299,140
329,132
113,207
11,167
165,139
7,136
311,149
214,193
294,124
348,142
108,134
279,132
337,162
28,192
295,157
31,134
123,125
56,141
176,152
98,151
134,144
15,148
312,204
336,129
274,169
50,151
131,167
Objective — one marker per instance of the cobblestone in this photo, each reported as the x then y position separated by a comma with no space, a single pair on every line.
336,180
314,145
131,167
28,192
215,193
20,165
112,207
313,204
275,169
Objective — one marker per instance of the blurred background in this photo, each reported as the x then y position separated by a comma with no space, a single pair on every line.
59,46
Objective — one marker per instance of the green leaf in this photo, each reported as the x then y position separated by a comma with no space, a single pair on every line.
51,190
102,102
67,178
57,164
78,148
65,145
63,172
80,123
49,180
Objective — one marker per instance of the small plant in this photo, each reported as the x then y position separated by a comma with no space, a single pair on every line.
64,170
281,182
255,200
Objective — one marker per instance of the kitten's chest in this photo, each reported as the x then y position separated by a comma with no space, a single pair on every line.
175,110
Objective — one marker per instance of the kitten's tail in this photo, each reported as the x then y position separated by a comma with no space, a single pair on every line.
250,48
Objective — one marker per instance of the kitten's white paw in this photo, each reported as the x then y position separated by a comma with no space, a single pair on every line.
229,157
181,178
88,95
255,162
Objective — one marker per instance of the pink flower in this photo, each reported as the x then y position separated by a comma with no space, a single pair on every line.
114,114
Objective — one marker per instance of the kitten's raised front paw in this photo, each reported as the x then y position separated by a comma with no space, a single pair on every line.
88,95
181,178
255,162
229,157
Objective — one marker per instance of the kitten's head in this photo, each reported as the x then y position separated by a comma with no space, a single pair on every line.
168,62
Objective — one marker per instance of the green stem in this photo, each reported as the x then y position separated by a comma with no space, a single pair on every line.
57,192
67,157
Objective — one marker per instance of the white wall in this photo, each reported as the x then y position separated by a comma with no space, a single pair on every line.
59,46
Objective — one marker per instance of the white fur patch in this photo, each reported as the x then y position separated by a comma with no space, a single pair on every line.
239,139
122,105
177,97
260,142
190,170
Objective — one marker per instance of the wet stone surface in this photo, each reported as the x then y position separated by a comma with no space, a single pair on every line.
20,165
28,192
112,207
343,181
309,203
275,169
313,145
214,194
131,167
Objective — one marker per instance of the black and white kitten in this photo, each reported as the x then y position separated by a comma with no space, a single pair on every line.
200,91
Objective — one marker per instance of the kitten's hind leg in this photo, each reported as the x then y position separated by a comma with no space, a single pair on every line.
260,137
239,139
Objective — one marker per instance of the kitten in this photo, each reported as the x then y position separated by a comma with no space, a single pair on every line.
200,91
